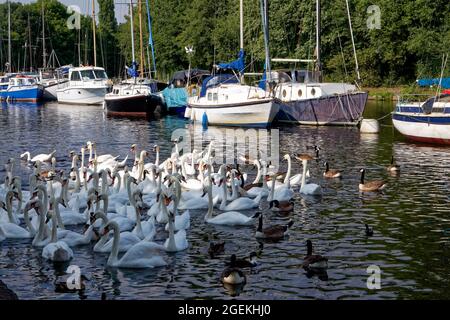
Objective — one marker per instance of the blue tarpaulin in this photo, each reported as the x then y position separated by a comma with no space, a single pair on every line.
238,65
175,97
445,83
133,72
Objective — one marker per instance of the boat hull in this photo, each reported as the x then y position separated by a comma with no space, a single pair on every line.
134,106
248,114
50,90
340,109
33,94
74,95
423,128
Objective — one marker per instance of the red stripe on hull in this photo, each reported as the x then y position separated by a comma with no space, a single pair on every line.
429,140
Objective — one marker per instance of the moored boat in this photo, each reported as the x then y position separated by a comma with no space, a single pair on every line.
424,121
52,80
22,88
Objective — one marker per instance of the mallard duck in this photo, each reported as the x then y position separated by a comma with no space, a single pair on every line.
281,206
273,232
374,185
393,167
232,274
313,262
216,248
251,262
331,173
369,230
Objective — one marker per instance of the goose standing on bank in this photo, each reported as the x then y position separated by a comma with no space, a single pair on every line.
375,185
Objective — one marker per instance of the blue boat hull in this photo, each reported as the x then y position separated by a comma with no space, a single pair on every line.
31,94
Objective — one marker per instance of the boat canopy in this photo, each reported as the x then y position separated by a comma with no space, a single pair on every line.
216,80
445,83
237,65
183,75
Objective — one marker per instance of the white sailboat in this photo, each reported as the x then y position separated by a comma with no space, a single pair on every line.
224,100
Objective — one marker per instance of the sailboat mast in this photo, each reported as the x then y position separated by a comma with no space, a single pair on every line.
132,31
9,36
265,19
318,62
44,53
241,24
93,33
29,40
353,41
141,47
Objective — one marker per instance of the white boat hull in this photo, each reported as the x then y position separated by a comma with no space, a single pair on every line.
50,90
74,95
423,131
251,114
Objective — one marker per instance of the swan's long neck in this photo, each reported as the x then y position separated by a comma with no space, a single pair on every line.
105,202
234,191
9,208
28,223
258,174
305,165
157,157
41,230
272,190
209,214
138,219
117,176
287,179
54,237
113,257
77,180
223,204
44,195
57,214
171,246
82,158
183,168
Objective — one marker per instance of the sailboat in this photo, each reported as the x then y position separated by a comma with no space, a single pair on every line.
135,96
305,99
225,100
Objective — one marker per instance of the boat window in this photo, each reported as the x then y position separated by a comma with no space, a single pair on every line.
215,96
284,93
209,96
75,76
313,91
87,74
299,92
100,74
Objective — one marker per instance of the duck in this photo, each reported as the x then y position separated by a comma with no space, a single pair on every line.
375,185
56,250
274,232
331,173
393,167
281,206
143,254
251,262
232,274
307,188
369,230
314,262
216,248
40,157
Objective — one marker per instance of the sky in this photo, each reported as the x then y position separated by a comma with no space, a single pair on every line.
120,5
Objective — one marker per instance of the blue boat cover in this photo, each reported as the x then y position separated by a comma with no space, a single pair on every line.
445,84
213,81
133,72
238,65
175,97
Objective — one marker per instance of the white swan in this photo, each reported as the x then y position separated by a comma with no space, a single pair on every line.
175,242
143,229
310,188
282,193
40,157
12,230
56,250
242,203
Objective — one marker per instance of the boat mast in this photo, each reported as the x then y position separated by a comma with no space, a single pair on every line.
141,47
241,29
318,62
353,41
44,53
264,16
9,36
132,31
93,32
150,41
29,39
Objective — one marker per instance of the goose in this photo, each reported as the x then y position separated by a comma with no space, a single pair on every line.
313,262
175,242
369,230
281,206
216,248
229,218
308,188
40,157
393,167
56,250
233,275
274,232
126,239
331,173
142,254
375,185
242,203
251,262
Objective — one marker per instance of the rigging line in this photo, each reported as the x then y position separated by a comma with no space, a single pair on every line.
353,41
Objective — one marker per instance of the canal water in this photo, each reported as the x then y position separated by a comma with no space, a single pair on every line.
410,218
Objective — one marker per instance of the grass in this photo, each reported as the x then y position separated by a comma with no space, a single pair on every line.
390,93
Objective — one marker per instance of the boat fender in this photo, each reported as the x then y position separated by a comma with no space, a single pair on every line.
369,126
205,120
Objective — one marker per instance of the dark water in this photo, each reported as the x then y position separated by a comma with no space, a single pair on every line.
411,218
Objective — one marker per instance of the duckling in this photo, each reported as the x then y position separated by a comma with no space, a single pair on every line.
216,248
232,274
281,206
314,262
369,230
393,167
251,262
331,173
273,232
374,185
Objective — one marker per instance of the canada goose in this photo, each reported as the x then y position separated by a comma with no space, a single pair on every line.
281,206
374,185
331,173
393,167
216,248
369,230
273,232
251,262
62,286
313,262
232,274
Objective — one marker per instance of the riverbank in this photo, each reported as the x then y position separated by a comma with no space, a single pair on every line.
391,93
6,293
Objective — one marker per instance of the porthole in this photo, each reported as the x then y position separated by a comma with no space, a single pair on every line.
313,92
284,93
299,92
